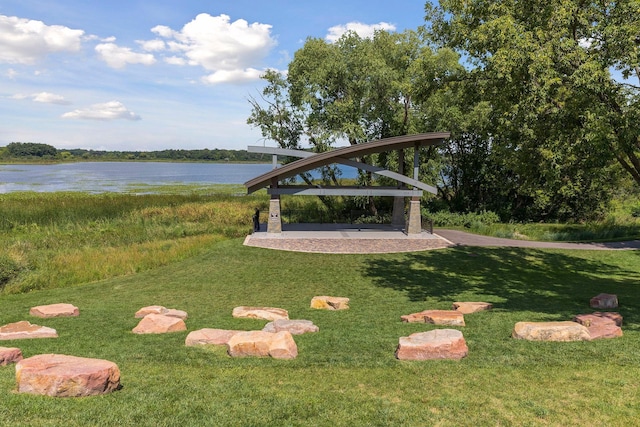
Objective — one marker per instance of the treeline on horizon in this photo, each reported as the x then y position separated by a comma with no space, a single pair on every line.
32,151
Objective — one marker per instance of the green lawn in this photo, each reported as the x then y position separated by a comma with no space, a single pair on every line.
346,374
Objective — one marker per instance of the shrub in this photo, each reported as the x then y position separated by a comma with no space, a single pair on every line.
9,269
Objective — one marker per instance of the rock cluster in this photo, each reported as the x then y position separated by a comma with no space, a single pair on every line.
264,313
9,355
25,330
604,301
471,307
159,324
551,331
436,344
66,376
158,309
279,345
329,303
436,317
55,310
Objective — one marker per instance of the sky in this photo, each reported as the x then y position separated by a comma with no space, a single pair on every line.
145,75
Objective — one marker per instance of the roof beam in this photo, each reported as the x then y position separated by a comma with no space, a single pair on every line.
344,191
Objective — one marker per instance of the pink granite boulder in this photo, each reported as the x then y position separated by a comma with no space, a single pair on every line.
601,325
208,336
9,355
158,309
25,330
55,310
329,303
471,307
279,345
604,301
159,324
66,376
436,344
264,313
551,331
436,317
296,327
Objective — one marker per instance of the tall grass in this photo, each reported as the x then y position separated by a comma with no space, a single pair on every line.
53,240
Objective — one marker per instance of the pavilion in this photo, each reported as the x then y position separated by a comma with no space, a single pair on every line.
347,156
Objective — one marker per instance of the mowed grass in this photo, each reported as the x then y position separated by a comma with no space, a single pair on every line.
346,374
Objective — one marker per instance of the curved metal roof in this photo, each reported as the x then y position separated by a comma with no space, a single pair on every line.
334,156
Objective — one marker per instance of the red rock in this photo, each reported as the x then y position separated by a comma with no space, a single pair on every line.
471,307
9,355
296,327
436,344
329,303
265,313
158,309
436,317
551,331
25,330
55,310
278,345
159,324
209,336
600,325
66,376
604,301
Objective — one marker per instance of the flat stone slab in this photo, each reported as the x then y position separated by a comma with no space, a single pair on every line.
279,345
158,309
25,330
55,310
471,307
436,317
431,345
325,302
9,355
604,301
601,325
296,327
209,336
159,324
551,331
264,313
66,376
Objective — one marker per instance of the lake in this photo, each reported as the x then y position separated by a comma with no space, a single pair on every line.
118,176
98,177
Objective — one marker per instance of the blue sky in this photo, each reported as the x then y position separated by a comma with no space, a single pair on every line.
152,75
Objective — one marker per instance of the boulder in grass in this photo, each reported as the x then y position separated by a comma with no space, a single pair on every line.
55,310
279,345
551,331
604,301
436,317
432,345
329,303
25,330
66,376
9,355
601,326
158,309
471,307
159,324
208,336
264,313
296,327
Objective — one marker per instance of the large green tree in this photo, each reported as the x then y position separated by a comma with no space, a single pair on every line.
546,69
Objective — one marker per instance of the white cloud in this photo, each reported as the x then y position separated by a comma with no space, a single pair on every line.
233,76
230,50
363,30
152,45
50,98
24,41
112,110
118,57
11,73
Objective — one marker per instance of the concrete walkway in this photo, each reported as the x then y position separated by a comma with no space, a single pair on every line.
373,238
461,238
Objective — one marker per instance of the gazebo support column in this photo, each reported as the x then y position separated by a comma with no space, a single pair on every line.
397,217
414,224
274,223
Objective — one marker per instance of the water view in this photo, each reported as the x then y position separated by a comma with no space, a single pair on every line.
121,176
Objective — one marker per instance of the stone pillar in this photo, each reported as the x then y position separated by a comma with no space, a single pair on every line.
397,217
414,224
274,223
